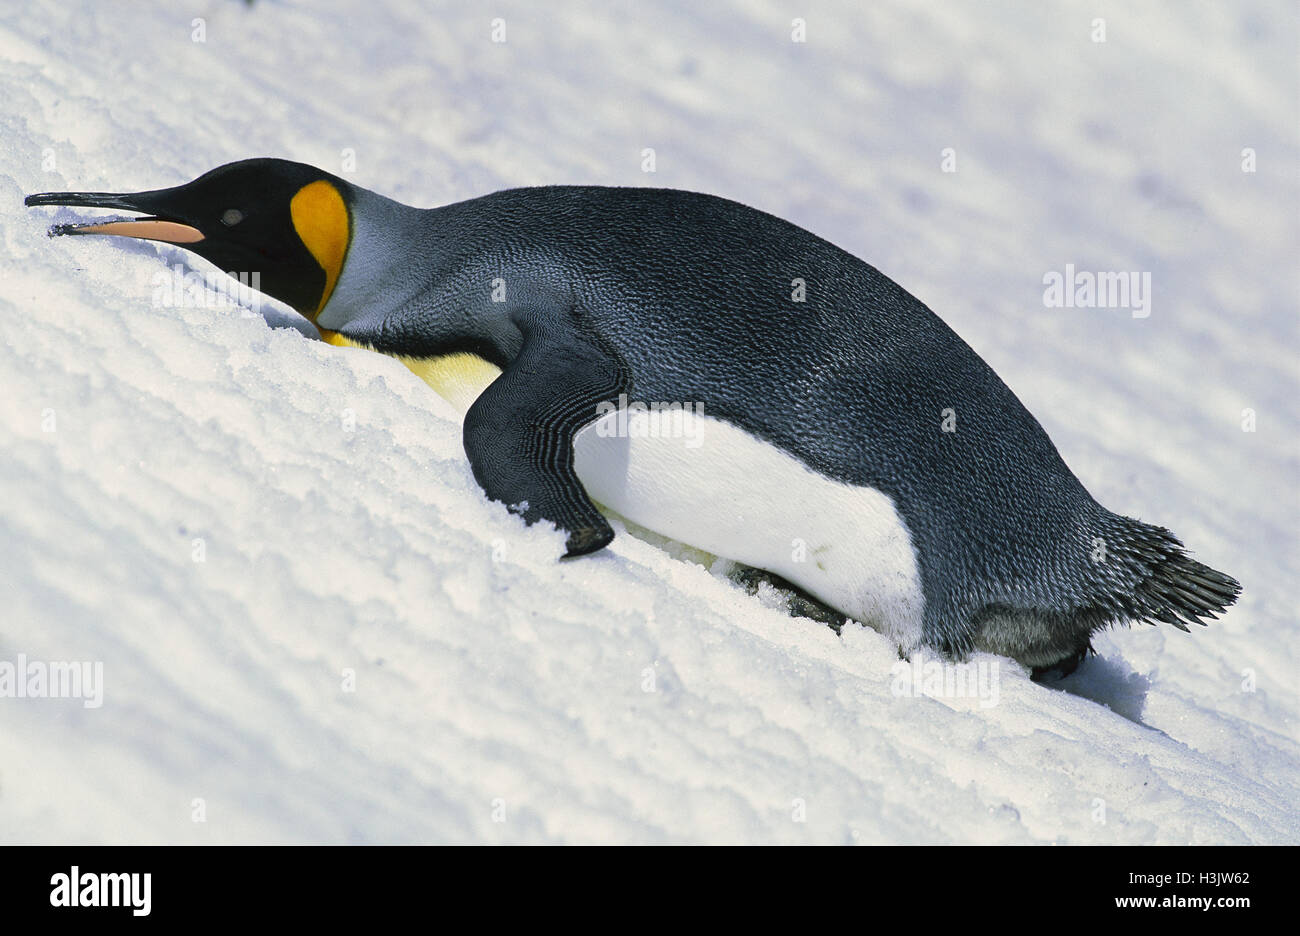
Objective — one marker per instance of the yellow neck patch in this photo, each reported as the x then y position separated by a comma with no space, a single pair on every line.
458,378
321,219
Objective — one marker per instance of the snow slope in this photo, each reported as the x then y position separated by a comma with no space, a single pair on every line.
500,696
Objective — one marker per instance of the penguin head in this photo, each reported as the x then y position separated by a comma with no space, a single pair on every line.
286,222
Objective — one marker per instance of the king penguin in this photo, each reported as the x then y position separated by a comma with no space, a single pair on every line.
715,374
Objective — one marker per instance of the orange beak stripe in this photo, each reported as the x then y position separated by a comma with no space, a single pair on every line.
170,232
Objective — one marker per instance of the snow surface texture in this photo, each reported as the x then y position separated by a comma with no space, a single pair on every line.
501,696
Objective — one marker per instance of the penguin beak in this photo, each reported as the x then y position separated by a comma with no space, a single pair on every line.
157,227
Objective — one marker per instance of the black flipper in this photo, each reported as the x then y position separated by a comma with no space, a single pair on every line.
519,432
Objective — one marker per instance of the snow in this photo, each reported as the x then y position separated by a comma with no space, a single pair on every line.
498,695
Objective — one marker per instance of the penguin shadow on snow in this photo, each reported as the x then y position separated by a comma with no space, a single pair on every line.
1107,682
1096,678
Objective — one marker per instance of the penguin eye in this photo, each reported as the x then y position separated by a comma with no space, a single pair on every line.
232,217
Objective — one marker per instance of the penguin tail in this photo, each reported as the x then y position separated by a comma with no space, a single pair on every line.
1148,576
1133,572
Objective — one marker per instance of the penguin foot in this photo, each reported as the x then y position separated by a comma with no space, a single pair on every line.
797,601
1062,668
587,540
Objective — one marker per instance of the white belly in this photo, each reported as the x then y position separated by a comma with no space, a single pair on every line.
717,488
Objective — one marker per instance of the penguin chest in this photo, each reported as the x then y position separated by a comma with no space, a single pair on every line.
709,484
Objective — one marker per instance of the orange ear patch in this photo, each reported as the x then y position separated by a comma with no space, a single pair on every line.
321,219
